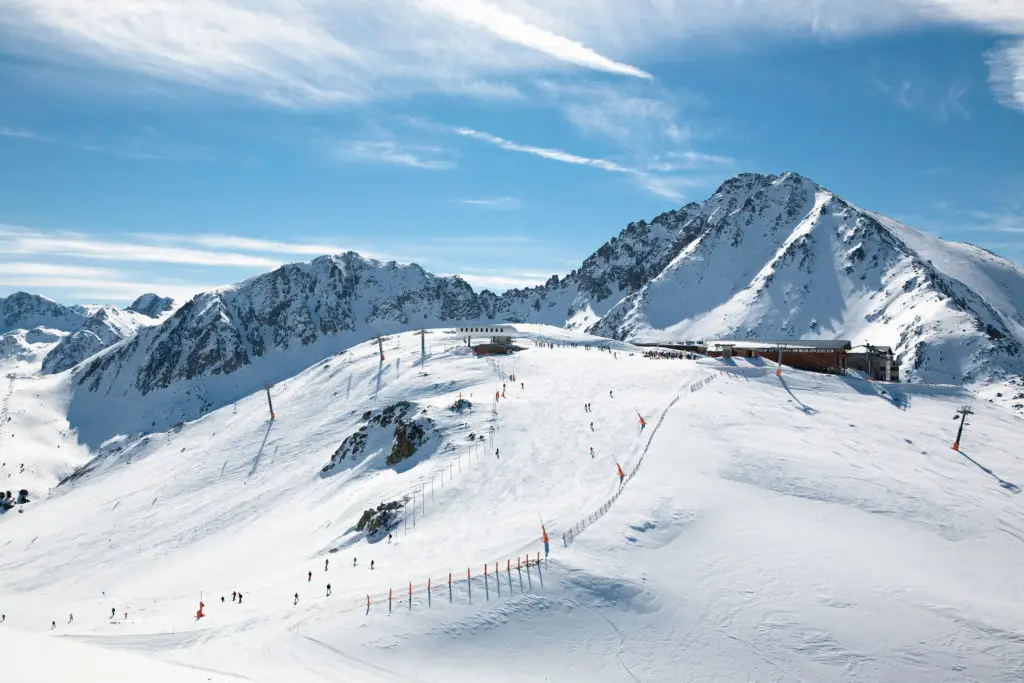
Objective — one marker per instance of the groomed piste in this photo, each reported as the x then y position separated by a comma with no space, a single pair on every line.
802,527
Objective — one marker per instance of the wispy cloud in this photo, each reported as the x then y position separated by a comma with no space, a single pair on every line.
510,27
78,289
1006,73
391,152
499,282
214,241
662,186
492,202
22,134
24,242
545,152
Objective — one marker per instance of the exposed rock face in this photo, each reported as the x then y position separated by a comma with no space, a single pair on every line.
152,305
106,326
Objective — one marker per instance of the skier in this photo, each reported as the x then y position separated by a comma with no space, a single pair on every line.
591,426
591,451
326,562
328,590
371,565
53,625
233,596
610,395
309,577
71,618
495,455
296,601
126,615
389,538
239,598
112,611
3,618
353,561
522,385
222,599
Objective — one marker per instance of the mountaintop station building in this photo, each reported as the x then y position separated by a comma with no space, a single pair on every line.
501,337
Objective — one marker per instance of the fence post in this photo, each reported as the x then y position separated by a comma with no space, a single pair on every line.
497,578
519,569
430,602
539,574
469,586
487,588
508,569
529,578
367,604
410,596
389,601
449,588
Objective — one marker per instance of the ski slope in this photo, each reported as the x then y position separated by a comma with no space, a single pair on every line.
796,528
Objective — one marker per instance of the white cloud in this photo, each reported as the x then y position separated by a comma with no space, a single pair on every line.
510,27
390,152
24,242
492,202
1006,73
259,245
499,282
668,187
22,133
316,53
30,268
545,152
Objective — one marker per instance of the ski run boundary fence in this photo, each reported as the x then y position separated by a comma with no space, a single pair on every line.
495,582
575,530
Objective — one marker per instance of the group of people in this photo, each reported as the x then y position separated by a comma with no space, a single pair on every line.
672,355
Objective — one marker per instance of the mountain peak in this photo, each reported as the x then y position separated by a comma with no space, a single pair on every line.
152,305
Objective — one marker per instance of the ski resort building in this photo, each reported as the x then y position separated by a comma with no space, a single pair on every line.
501,337
817,355
877,362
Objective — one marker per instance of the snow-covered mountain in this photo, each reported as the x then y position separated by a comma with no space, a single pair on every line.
152,305
765,256
106,326
782,257
24,311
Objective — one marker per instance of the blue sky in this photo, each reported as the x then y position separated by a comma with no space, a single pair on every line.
174,145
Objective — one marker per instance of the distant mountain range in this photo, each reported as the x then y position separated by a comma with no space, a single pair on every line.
764,257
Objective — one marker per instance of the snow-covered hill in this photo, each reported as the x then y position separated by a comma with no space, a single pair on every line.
805,527
152,305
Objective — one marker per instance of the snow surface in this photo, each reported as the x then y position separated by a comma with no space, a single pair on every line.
806,527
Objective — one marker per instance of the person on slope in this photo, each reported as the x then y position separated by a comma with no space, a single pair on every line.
71,618
371,565
496,454
309,577
591,451
222,599
233,596
239,598
296,601
522,385
610,394
353,561
328,590
389,538
113,610
327,561
591,426
53,625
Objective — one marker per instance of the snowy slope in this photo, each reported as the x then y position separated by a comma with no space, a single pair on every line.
808,528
